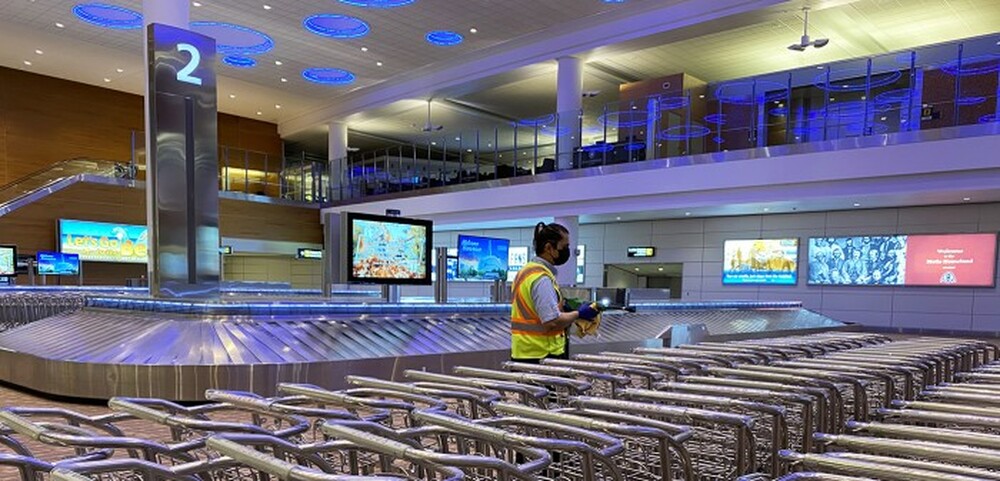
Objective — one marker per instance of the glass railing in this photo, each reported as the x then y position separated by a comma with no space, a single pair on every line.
17,192
926,88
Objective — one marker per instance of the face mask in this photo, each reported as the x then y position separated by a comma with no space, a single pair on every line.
563,256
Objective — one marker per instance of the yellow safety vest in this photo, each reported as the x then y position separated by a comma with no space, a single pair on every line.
530,338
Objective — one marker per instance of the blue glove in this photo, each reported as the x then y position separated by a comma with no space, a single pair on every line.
587,312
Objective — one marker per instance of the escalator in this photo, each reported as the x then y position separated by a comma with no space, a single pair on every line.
58,176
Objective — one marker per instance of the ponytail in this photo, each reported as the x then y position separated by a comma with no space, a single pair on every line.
547,234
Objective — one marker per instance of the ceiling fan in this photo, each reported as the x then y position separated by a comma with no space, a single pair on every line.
805,42
429,126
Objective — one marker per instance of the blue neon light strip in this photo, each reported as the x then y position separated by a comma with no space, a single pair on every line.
336,26
228,46
328,76
108,16
444,38
377,3
239,62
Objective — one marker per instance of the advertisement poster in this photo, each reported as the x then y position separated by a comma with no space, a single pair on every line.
761,261
951,260
57,264
104,242
8,261
958,260
386,250
517,257
482,258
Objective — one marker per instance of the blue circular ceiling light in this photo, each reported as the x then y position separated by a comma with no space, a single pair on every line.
239,61
672,103
684,132
890,97
328,76
377,3
717,119
108,16
444,38
626,119
855,80
978,65
538,122
232,39
336,26
743,92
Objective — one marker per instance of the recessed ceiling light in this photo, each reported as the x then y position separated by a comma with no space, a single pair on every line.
232,96
820,67
966,198
687,213
39,52
857,204
27,62
379,63
277,106
468,150
283,79
277,62
106,80
260,113
197,4
364,49
659,269
766,209
701,96
474,30
489,145
60,25
120,70
883,118
618,218
636,268
434,143
267,7
458,138
832,99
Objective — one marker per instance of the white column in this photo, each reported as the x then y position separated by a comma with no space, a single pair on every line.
176,13
337,153
569,101
567,271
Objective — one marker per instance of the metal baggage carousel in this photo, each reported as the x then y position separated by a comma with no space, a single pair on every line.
129,346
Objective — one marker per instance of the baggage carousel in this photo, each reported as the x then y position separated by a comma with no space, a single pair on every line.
133,346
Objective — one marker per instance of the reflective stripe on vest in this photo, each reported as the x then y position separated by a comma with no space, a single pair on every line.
530,337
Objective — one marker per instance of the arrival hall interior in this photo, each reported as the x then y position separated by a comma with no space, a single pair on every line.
590,240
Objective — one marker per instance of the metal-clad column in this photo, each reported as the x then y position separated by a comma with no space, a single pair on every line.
337,155
569,102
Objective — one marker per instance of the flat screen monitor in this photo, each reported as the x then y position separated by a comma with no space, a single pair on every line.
57,264
953,260
8,261
389,250
517,257
482,258
104,242
760,262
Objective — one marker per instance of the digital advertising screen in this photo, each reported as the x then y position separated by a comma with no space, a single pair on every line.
517,257
389,250
57,264
8,261
482,258
956,260
581,263
104,242
761,261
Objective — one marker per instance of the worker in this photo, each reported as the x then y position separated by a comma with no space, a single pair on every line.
538,325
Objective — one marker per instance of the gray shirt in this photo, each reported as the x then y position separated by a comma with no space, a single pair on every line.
544,296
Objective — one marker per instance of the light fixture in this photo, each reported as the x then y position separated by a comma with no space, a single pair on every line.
108,16
106,80
328,76
278,62
659,269
378,63
120,70
687,213
618,218
468,150
966,198
277,106
857,204
334,25
475,30
60,25
232,96
458,139
364,49
444,38
637,269
197,4
766,209
260,113
27,62
701,96
433,143
283,79
267,7
239,61
377,3
39,52
805,42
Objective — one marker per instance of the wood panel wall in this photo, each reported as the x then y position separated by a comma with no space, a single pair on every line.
33,227
45,119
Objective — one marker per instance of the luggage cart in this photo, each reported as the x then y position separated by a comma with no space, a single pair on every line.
699,357
879,467
807,476
642,377
400,405
510,391
734,354
722,448
577,454
765,354
670,367
880,386
962,394
924,433
916,450
481,452
800,410
853,389
560,388
769,423
603,384
654,450
466,402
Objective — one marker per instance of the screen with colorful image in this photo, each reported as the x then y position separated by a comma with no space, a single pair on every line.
581,263
482,258
958,260
761,261
57,264
104,242
517,257
8,261
389,250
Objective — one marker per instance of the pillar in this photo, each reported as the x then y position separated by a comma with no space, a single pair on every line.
569,102
567,271
337,154
176,13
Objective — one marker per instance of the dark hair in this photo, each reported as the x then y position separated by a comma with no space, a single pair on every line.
548,234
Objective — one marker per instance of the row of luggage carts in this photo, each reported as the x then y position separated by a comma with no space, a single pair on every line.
825,406
20,308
